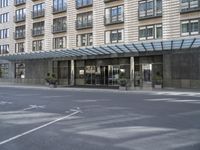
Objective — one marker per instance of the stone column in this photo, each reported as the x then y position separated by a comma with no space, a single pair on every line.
132,68
72,73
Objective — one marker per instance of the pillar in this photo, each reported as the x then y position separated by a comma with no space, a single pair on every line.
72,73
132,68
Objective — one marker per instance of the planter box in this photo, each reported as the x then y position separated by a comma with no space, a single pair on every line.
52,85
158,86
123,88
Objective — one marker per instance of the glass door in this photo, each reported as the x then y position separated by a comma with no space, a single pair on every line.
113,74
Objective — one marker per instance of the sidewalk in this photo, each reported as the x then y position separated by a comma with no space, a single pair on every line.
74,88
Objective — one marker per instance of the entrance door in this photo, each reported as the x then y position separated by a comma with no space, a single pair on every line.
147,75
104,75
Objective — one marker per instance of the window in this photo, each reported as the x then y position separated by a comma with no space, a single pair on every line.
189,5
190,27
149,8
114,15
84,20
38,45
150,32
19,47
3,3
19,32
4,17
84,39
83,3
3,70
20,15
38,10
59,6
19,70
38,29
4,49
114,36
59,42
19,2
4,33
59,25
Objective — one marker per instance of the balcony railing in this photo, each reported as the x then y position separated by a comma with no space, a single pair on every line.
83,3
39,32
19,2
107,1
19,18
59,28
38,14
4,51
84,25
19,35
113,20
59,9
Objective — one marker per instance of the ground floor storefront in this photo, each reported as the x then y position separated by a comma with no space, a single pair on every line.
178,70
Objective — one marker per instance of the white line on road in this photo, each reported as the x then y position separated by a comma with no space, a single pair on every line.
38,128
34,107
5,102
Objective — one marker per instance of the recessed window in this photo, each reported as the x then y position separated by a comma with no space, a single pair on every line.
114,36
3,3
20,15
38,29
59,25
19,47
149,8
38,10
38,45
150,32
4,49
19,32
85,39
59,6
59,42
4,17
84,20
190,27
83,3
4,33
189,5
114,15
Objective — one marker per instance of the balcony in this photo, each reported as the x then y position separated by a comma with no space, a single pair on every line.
19,35
107,1
59,28
19,18
38,14
37,32
4,51
19,2
83,3
84,25
56,10
113,20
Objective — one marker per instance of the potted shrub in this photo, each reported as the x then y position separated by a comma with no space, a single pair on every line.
51,80
158,81
122,80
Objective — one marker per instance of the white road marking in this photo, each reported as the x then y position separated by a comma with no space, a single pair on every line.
173,100
38,128
5,103
34,107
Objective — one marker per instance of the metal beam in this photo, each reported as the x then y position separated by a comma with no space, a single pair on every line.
192,43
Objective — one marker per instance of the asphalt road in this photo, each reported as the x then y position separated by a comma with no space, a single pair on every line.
86,119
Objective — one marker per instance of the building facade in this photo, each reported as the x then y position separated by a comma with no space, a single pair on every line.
101,42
